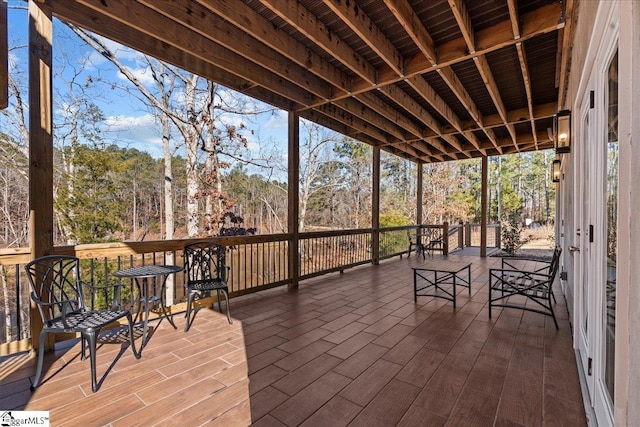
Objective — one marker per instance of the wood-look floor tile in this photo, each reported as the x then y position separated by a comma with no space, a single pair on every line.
303,340
418,417
299,407
163,407
267,421
441,392
561,380
304,355
405,350
336,412
364,388
345,332
239,415
389,406
342,321
265,400
352,345
419,370
306,374
265,377
474,408
560,412
487,375
409,363
360,361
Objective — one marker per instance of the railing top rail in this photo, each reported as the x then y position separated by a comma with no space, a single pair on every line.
11,256
329,233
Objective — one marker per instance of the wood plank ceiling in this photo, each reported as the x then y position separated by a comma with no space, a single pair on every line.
428,81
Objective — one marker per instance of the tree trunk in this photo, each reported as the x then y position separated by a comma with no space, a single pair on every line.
192,160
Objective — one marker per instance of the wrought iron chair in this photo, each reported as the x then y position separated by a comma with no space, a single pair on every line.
59,295
533,287
206,271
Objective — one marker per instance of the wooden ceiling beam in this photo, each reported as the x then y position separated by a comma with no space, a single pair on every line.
408,148
463,19
403,99
355,18
515,20
566,35
466,28
353,121
242,16
490,83
474,141
542,111
412,24
366,29
372,117
233,39
115,30
526,78
386,110
133,14
540,21
424,89
197,19
308,24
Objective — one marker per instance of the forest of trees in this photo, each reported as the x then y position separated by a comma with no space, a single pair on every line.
214,160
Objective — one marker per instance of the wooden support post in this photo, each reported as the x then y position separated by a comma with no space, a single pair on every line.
445,238
4,56
467,234
483,207
461,235
294,198
419,190
40,142
375,207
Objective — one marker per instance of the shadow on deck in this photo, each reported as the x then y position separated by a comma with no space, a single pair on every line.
348,348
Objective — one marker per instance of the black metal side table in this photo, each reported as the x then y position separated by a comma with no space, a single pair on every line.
146,279
449,273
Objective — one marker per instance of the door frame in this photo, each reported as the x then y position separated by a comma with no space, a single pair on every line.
602,47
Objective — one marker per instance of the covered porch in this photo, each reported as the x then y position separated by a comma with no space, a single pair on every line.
349,348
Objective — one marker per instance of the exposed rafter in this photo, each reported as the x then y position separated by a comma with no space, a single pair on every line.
378,71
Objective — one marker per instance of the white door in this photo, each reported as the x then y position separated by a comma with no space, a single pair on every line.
580,248
594,247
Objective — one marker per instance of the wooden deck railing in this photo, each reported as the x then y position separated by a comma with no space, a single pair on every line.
256,263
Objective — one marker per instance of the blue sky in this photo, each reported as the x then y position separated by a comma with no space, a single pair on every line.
128,120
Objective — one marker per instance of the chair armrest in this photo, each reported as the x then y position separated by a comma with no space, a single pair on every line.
500,273
95,290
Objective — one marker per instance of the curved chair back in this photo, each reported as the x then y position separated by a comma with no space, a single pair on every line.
205,261
55,286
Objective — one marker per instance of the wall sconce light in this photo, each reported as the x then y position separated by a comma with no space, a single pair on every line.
563,132
556,173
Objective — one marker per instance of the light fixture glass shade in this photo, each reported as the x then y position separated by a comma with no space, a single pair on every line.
563,132
556,173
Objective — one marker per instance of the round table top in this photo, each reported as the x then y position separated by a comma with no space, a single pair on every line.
148,271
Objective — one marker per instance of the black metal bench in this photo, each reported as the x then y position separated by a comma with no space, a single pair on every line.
529,290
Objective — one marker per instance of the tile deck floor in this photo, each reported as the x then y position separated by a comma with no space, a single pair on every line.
344,349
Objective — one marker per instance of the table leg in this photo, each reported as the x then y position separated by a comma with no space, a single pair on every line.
454,289
163,296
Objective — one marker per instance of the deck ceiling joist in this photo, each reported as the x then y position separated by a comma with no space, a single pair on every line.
429,81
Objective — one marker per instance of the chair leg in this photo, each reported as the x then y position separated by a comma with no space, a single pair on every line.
131,337
91,340
226,295
188,315
36,381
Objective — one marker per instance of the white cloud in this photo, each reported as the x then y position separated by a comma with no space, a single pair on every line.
141,132
278,120
143,75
